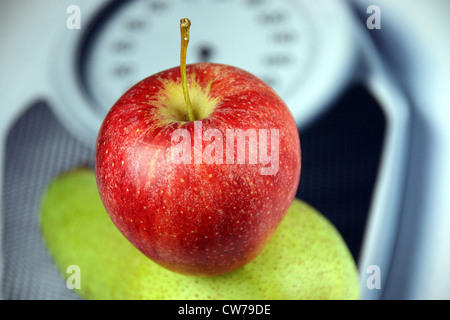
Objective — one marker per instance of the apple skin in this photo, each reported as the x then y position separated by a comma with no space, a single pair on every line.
196,219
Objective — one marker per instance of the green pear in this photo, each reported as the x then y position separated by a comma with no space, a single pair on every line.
305,259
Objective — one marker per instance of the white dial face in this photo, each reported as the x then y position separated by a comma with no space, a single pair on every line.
269,38
295,46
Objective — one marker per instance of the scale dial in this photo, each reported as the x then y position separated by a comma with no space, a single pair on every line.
300,48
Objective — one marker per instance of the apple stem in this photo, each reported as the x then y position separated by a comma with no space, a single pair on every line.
185,24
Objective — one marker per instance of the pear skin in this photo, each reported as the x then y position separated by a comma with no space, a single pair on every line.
306,258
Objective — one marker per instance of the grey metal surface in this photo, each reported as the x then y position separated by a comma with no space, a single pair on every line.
38,149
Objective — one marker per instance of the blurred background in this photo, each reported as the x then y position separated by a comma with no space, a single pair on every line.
367,82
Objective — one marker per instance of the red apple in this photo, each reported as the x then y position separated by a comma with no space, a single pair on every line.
178,186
